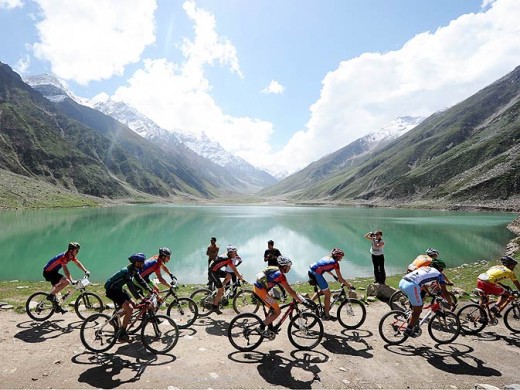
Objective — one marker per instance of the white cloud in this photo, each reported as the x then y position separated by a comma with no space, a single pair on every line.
431,71
85,42
274,87
10,4
22,66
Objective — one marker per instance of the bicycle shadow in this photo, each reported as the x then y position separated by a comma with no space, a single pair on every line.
451,358
296,373
512,339
113,370
350,342
215,327
38,332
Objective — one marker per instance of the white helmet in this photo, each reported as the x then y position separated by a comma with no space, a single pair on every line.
231,248
284,261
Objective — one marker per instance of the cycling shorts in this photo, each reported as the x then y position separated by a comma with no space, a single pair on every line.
52,276
215,278
490,288
320,280
412,291
118,296
267,299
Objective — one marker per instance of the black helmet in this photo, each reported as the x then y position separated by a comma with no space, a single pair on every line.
73,245
165,252
508,260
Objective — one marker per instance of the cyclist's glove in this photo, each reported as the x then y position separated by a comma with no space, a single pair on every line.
87,274
352,288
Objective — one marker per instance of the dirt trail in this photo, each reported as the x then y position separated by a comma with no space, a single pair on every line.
50,355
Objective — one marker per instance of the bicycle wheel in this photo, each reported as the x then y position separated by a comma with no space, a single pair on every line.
512,318
97,333
392,326
88,303
472,318
184,311
351,313
245,301
243,332
305,331
399,301
444,327
38,307
204,299
160,334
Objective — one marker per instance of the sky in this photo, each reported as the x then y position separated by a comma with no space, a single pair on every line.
280,83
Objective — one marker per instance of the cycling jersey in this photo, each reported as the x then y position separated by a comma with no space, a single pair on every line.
125,276
220,262
497,274
422,261
57,262
237,260
270,277
424,276
324,265
150,265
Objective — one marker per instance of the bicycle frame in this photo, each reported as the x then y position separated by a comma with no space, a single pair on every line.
485,302
290,308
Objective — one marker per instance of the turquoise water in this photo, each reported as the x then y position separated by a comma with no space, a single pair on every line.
29,238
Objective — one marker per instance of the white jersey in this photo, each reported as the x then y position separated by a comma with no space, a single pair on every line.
424,275
237,260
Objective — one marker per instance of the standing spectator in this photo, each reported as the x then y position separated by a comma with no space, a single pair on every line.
378,258
212,253
271,254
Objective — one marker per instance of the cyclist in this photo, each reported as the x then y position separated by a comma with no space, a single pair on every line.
214,268
489,281
411,285
265,281
431,258
328,264
114,289
229,274
51,273
155,264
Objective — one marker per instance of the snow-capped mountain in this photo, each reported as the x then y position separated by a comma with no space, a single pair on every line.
394,129
53,88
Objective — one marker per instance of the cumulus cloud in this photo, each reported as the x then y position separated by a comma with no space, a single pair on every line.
431,71
274,87
10,4
22,65
85,43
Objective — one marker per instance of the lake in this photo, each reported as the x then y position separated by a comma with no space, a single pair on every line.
29,238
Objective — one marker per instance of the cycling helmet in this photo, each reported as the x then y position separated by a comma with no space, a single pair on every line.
438,264
231,248
336,252
165,252
508,260
284,261
137,257
73,245
432,252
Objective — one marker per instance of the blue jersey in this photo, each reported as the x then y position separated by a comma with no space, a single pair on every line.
269,278
323,265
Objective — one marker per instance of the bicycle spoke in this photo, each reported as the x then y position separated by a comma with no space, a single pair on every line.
444,327
184,312
38,307
392,327
243,333
472,318
351,314
305,330
98,334
160,334
245,301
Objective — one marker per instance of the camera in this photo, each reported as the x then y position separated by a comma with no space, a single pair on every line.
372,234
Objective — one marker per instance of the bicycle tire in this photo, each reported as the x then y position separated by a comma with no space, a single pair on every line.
399,301
351,313
308,307
453,300
203,297
159,334
243,333
38,307
305,330
245,301
444,327
137,325
184,312
392,326
97,333
88,303
472,318
512,318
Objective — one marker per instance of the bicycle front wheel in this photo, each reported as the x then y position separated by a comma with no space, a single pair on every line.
392,326
38,307
160,334
305,331
512,318
243,332
245,301
88,303
97,333
204,299
351,313
399,301
472,318
184,311
444,327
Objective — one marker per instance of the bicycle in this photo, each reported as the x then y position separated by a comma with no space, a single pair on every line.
159,333
305,329
443,325
351,312
399,301
183,310
244,300
40,308
476,316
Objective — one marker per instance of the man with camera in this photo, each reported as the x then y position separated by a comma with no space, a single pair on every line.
378,257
